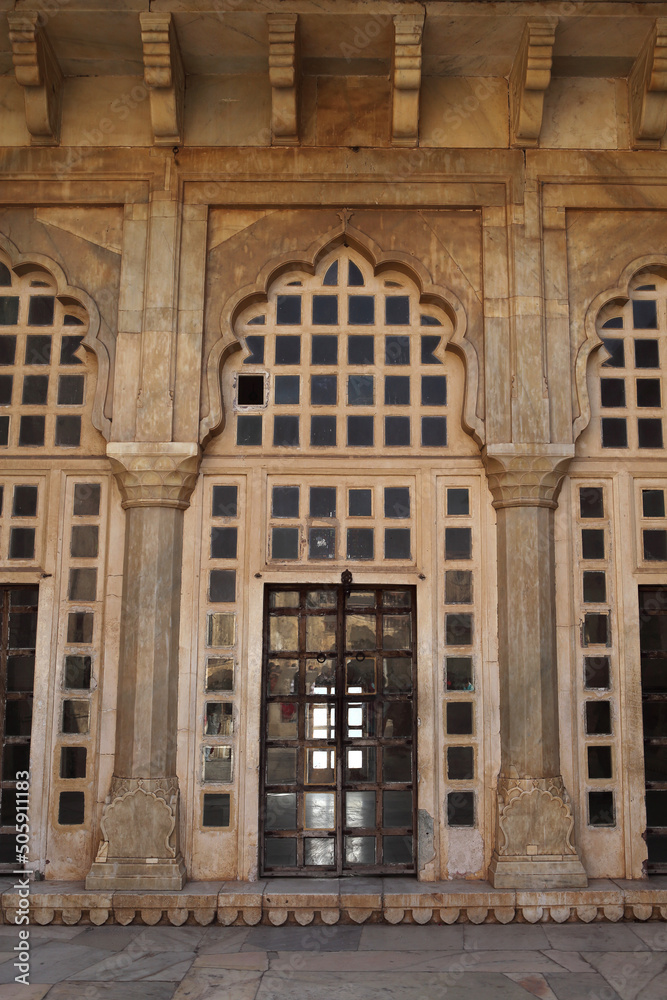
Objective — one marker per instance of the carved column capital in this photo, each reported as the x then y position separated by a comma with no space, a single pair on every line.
155,474
520,476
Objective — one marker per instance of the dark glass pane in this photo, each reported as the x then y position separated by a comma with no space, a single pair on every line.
601,808
70,390
76,716
280,811
397,543
596,629
598,718
434,390
591,501
23,597
615,347
323,501
461,808
71,808
20,673
458,629
7,848
223,543
396,809
249,429
4,430
397,310
614,432
22,543
649,431
8,808
430,321
324,350
40,310
458,543
646,354
83,584
360,543
615,323
655,719
286,431
285,501
280,853
361,350
6,386
331,277
599,762
281,766
285,543
68,432
397,850
224,502
255,345
15,757
286,389
397,674
354,275
360,432
595,588
434,432
397,350
69,345
325,312
25,501
458,502
323,390
288,310
460,763
7,348
31,431
458,673
360,503
648,392
323,432
360,390
397,764
77,671
222,586
86,499
18,717
22,629
397,390
80,627
38,349
653,503
644,315
592,543
361,310
655,545
216,809
397,501
9,315
596,672
428,346
322,543
612,392
655,762
72,321
288,350
249,390
5,276
459,718
458,586
397,432
656,808
35,390
72,763
84,541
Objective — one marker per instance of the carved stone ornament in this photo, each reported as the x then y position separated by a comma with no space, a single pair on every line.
164,76
518,478
155,474
139,824
529,80
647,87
531,806
37,71
406,78
284,78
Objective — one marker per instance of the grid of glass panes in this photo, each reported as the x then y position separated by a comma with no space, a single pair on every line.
46,382
21,519
342,360
18,635
630,383
594,601
358,520
338,765
79,649
653,652
652,524
461,655
222,554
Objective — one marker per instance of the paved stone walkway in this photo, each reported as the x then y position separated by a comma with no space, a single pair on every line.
603,961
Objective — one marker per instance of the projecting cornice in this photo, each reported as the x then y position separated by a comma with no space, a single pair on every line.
37,71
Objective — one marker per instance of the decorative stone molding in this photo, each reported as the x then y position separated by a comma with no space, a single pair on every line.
529,80
155,474
518,798
518,477
406,78
284,78
647,90
37,70
164,76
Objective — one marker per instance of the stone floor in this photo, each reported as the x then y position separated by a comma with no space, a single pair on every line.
601,961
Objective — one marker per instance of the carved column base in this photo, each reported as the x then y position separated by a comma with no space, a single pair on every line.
534,837
139,849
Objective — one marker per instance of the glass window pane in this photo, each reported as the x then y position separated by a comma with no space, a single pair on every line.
223,543
397,720
461,808
286,431
397,543
319,850
83,584
84,542
281,766
77,671
323,431
360,503
285,501
458,543
396,631
323,390
320,766
249,429
25,501
219,673
615,347
397,850
320,721
596,629
646,354
354,275
397,809
35,390
331,276
283,633
644,315
288,310
460,763
219,719
360,675
655,545
86,499
601,809
397,390
598,718
321,598
360,432
361,310
286,388
38,349
325,312
322,543
221,629
70,390
284,543
397,675
360,810
649,432
40,310
360,632
69,345
216,810
591,501
71,808
653,503
592,543
6,386
434,390
458,586
397,432
596,672
283,677
397,764
218,763
397,350
73,762
280,853
320,633
599,763
459,718
68,432
360,767
458,501
648,392
595,588
280,811
9,315
397,310
80,627
360,850
323,501
282,721
428,346
324,350
360,350
21,674
76,716
360,543
434,432
31,431
397,501
320,811
360,390
320,676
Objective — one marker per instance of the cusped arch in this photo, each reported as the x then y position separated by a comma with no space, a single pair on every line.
307,261
619,293
97,339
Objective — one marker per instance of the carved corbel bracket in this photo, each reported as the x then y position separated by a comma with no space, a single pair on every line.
647,86
37,71
284,78
529,80
164,76
521,478
406,79
155,474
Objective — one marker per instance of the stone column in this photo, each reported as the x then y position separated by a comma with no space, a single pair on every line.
140,846
534,836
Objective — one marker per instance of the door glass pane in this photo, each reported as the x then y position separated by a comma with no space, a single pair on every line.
360,721
397,809
321,676
321,633
283,677
320,810
281,810
397,764
360,675
321,599
397,719
360,632
397,850
360,809
284,633
321,721
396,632
319,851
360,850
360,598
284,599
281,766
282,721
320,767
360,765
397,675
